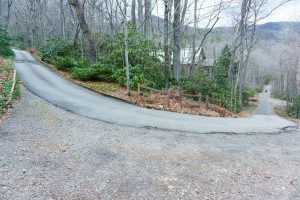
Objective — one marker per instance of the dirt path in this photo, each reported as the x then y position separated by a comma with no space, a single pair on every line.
48,153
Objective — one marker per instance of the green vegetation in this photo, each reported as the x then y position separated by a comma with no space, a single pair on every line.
216,83
5,39
247,93
6,70
6,86
56,47
268,79
294,107
146,66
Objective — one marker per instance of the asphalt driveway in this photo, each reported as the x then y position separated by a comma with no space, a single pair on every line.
46,84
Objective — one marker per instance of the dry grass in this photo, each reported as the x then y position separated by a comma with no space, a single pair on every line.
246,112
280,112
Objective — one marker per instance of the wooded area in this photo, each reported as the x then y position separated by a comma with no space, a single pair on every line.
126,42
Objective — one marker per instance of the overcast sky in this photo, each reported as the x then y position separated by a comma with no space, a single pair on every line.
287,12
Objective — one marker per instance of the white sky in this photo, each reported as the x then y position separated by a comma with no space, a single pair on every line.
287,12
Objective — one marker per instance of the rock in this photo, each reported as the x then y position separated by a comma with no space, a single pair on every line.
161,107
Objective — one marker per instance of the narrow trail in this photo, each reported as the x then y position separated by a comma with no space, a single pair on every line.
60,92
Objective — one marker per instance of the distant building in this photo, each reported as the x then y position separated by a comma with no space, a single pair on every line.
186,56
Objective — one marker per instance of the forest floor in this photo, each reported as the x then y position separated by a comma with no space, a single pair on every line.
153,100
49,153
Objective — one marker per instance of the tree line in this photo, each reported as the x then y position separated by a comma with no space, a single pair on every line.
123,43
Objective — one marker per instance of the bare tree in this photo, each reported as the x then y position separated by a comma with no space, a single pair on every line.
211,19
251,12
8,7
85,28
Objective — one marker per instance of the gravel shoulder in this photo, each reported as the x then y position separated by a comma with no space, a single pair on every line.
49,153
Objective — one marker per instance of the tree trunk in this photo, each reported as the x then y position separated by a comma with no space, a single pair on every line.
177,36
85,28
126,49
166,44
62,18
194,39
147,23
242,50
9,5
133,15
0,9
76,36
184,10
140,15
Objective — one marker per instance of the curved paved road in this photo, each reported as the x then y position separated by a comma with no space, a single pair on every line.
43,82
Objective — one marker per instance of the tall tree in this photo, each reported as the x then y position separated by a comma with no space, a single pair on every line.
85,28
8,7
251,12
166,43
147,22
133,14
140,15
126,48
177,40
62,18
194,38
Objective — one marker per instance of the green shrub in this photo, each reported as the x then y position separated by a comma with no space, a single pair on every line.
118,75
56,47
82,63
294,107
259,89
84,74
145,67
104,72
247,93
215,82
65,63
5,43
100,72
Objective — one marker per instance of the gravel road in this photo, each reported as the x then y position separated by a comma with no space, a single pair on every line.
49,153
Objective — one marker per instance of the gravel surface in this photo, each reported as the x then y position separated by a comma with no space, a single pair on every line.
49,153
